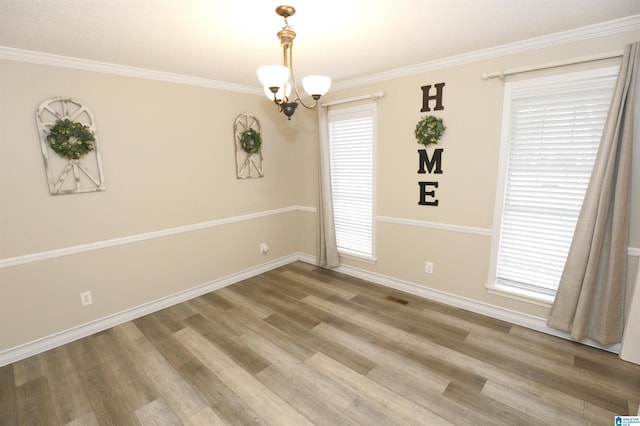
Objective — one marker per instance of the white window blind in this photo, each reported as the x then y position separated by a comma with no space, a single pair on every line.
351,141
553,129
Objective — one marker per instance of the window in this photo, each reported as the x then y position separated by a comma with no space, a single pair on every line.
351,149
551,133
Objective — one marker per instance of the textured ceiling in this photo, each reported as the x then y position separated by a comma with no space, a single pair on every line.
345,39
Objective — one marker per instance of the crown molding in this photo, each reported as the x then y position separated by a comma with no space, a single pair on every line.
42,58
629,23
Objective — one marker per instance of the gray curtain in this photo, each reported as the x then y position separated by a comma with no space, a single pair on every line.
327,247
590,298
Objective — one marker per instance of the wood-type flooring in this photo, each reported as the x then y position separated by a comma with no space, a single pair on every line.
302,345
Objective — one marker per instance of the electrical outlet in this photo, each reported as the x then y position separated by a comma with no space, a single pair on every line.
264,248
85,298
428,267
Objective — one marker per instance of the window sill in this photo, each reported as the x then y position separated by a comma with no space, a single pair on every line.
521,295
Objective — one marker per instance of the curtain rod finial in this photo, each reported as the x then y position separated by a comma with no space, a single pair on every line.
492,74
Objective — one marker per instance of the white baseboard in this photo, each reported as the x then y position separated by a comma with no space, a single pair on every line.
49,342
493,311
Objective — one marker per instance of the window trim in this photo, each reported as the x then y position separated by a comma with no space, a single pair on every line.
492,286
370,108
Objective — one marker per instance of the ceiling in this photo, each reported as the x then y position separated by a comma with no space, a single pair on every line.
226,40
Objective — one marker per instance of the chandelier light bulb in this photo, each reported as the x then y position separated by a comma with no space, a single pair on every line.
316,85
273,76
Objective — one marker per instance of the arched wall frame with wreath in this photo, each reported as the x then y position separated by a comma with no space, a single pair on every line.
70,149
248,146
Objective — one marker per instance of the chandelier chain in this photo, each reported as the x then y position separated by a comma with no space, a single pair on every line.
287,27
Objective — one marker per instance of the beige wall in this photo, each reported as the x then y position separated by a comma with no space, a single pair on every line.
168,157
467,187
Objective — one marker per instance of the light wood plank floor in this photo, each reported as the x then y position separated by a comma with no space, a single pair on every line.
302,345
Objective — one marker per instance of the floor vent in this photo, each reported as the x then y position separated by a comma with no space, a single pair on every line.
397,300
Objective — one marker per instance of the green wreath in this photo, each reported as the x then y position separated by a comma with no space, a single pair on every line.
250,141
70,139
429,130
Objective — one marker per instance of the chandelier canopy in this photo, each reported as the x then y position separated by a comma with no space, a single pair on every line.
279,80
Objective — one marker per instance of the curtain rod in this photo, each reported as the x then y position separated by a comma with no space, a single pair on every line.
592,58
376,95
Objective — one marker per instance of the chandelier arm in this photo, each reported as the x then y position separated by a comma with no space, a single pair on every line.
293,80
277,101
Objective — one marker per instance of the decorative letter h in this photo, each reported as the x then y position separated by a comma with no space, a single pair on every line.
437,97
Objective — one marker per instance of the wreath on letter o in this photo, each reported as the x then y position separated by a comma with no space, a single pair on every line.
70,139
429,130
250,141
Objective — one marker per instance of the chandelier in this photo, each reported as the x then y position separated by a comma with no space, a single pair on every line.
279,81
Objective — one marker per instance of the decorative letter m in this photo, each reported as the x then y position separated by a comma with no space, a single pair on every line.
435,160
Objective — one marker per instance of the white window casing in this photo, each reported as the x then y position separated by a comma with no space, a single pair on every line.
352,135
550,137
